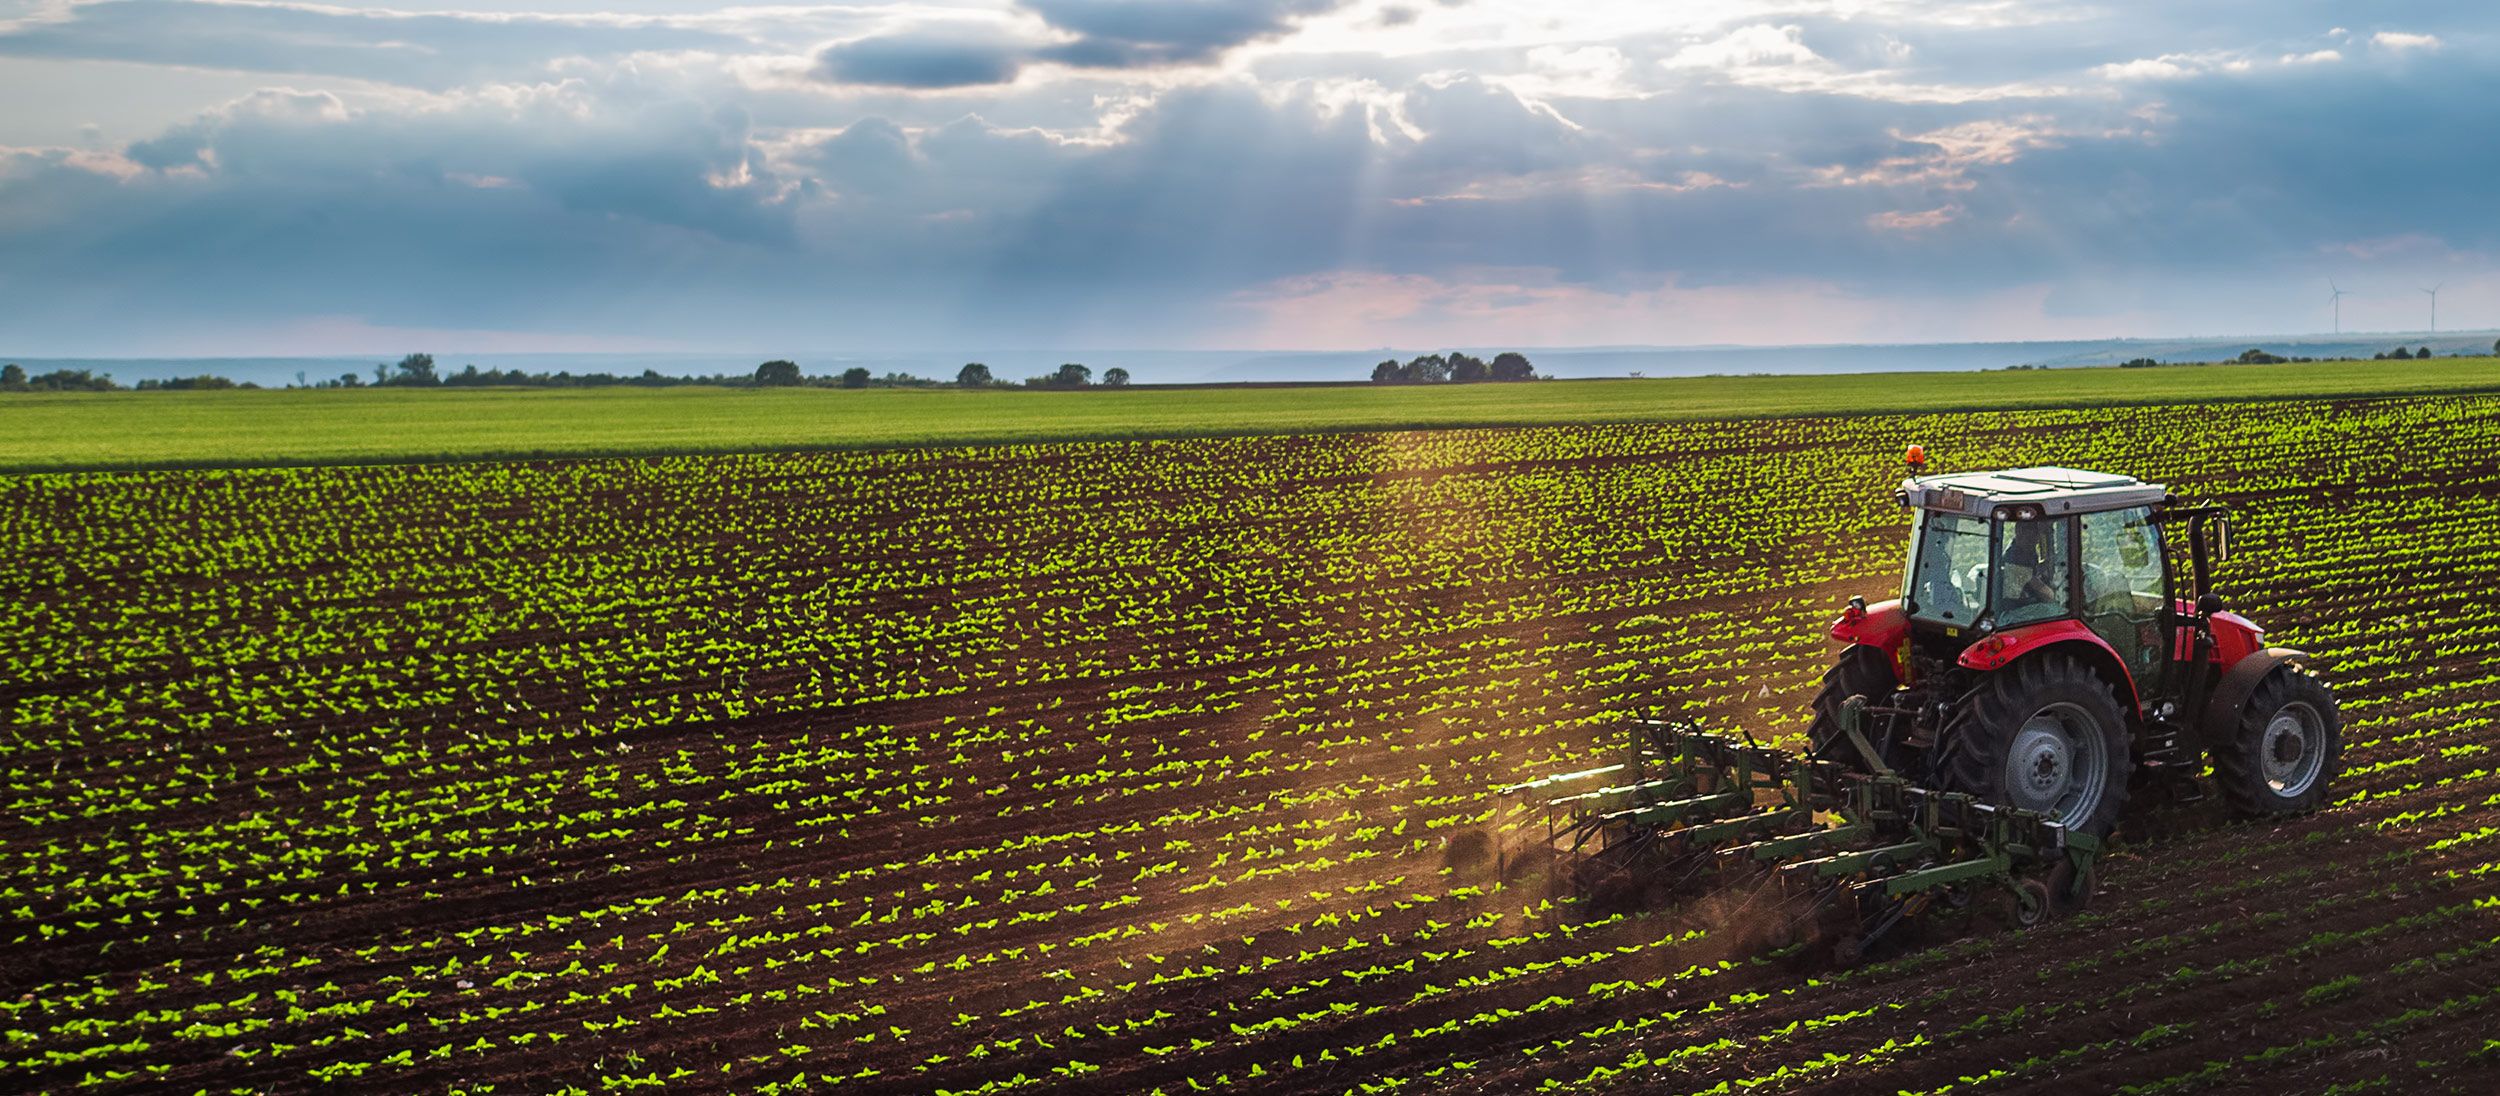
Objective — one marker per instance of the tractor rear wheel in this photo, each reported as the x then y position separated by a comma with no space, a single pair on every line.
1861,671
2045,734
2286,750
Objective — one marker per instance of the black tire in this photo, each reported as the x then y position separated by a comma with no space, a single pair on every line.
2080,710
2291,708
1860,671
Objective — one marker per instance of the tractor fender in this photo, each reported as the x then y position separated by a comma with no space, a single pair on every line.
2222,710
2068,636
1882,625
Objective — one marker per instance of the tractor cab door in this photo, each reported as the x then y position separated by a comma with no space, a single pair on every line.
2125,589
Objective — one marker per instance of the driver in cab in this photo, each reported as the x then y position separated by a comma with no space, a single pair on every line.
2034,568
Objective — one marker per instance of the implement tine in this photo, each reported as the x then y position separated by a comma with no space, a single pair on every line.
1549,781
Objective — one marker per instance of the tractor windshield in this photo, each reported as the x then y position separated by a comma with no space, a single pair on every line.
1948,574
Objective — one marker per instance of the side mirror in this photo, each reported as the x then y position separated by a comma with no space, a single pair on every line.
2222,540
2209,604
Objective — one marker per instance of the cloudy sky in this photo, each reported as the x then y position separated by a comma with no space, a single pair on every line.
189,177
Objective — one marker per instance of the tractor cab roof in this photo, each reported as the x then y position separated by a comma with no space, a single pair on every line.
2037,492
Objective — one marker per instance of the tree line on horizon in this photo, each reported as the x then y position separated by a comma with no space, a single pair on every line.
2260,356
418,371
1455,368
14,378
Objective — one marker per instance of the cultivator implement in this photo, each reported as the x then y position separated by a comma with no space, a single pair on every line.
1860,851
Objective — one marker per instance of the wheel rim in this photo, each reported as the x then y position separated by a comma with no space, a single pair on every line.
2294,749
2058,765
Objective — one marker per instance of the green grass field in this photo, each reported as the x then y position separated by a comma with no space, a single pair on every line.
117,430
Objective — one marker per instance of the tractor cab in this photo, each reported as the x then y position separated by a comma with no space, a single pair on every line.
1993,552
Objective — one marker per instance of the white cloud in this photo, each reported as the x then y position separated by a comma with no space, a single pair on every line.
1901,221
2147,68
1753,46
2172,66
1952,152
2399,41
1777,58
2313,57
1580,72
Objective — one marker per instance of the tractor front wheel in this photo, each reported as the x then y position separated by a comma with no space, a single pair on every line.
2045,735
2286,749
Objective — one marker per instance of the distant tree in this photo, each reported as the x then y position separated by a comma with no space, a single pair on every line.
974,375
2400,354
777,374
2422,353
2138,363
855,377
12,376
2254,356
1072,375
1510,365
1387,372
71,380
1429,369
351,380
1468,370
1115,377
381,374
415,370
205,381
2495,346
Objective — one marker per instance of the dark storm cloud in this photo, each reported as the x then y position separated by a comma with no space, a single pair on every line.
1141,33
921,59
1109,34
431,51
664,163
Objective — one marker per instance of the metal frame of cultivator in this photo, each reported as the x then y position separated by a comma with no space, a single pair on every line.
1870,849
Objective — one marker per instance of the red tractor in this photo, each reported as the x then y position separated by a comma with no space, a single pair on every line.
2058,640
2057,643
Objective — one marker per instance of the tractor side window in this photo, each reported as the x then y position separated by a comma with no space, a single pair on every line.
2123,589
2032,573
2121,563
1949,571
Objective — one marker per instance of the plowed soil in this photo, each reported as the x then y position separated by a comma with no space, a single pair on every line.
1124,767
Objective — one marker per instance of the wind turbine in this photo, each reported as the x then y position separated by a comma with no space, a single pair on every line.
2434,292
2337,297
